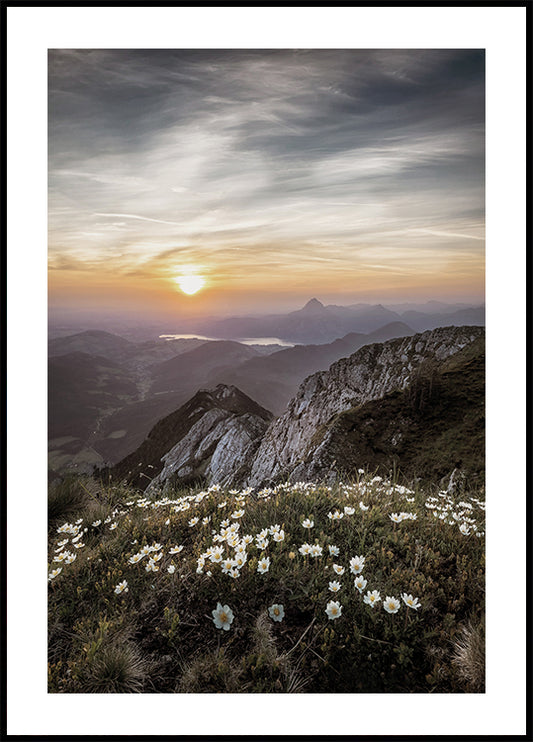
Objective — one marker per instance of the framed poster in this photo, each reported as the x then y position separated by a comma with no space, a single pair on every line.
266,279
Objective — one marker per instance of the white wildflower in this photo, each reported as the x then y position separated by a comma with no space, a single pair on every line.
333,609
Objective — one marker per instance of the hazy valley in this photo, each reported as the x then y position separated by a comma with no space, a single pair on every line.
107,394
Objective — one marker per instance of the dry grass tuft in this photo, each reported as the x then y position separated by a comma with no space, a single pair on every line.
210,673
264,641
469,656
115,669
66,499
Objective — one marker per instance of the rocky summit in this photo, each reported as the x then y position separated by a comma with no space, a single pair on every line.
210,439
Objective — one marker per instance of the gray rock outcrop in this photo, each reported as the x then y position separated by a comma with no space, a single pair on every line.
211,439
293,440
218,448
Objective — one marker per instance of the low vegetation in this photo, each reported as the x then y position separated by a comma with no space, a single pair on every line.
425,431
367,586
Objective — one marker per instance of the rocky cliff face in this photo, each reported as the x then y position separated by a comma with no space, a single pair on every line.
430,430
218,448
210,439
293,441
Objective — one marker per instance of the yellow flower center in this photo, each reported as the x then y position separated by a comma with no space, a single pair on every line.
276,611
223,617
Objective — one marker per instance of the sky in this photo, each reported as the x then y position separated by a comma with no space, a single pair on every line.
273,175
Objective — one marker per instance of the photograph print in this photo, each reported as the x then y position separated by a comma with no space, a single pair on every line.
266,371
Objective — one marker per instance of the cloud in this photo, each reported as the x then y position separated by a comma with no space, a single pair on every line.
437,233
241,160
135,216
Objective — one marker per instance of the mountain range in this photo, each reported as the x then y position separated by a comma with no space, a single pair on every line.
413,403
89,429
272,379
317,323
106,392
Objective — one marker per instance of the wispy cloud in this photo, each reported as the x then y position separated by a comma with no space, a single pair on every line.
437,233
135,216
241,160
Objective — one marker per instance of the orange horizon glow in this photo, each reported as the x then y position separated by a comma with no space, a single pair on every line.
223,295
292,181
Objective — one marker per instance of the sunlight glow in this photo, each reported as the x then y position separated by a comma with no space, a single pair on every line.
190,284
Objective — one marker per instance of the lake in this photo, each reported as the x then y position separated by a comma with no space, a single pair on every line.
244,341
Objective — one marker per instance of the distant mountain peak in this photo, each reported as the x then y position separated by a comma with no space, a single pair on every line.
313,306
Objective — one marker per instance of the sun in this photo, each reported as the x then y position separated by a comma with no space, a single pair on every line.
190,284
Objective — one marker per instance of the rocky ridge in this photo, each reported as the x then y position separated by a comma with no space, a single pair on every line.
292,441
210,439
216,448
432,430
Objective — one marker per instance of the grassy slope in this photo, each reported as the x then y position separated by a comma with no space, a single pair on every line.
426,440
159,636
